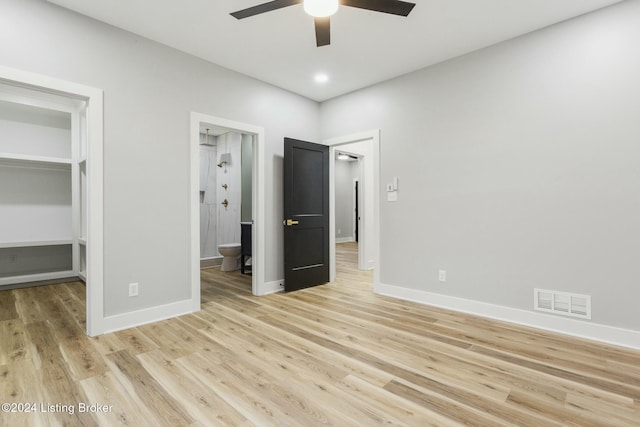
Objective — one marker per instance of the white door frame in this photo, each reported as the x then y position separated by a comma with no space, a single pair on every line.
334,143
95,210
258,206
356,196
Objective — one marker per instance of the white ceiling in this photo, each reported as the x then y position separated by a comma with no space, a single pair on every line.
279,47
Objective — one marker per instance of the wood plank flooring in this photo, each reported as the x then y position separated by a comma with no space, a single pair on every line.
331,355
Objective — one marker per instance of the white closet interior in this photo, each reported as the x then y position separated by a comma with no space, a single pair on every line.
43,186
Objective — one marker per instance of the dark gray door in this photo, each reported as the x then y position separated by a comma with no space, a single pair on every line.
306,213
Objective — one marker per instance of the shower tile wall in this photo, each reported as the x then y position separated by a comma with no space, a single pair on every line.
208,201
231,174
219,225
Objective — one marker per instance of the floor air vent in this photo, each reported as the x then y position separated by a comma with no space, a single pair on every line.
563,303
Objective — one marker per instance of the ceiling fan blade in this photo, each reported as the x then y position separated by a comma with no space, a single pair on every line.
323,31
264,7
395,7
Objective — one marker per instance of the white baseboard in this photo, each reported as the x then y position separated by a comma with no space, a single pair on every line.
345,239
577,328
210,262
148,315
119,322
271,287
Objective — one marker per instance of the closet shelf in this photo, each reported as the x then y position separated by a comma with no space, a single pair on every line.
12,159
32,243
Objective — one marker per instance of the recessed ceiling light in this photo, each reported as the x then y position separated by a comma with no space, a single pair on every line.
321,78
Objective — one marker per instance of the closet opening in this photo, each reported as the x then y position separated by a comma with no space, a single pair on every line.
42,188
50,184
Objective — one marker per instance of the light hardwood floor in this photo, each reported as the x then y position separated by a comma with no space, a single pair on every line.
331,355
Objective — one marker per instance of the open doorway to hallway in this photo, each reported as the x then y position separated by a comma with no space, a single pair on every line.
354,160
348,203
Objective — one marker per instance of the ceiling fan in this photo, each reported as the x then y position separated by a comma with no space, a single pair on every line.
322,10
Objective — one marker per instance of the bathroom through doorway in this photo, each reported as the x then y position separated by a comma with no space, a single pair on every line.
226,166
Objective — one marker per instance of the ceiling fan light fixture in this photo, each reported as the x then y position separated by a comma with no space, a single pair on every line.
320,8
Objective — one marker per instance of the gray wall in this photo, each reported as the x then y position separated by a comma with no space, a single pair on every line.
518,167
344,173
517,163
149,92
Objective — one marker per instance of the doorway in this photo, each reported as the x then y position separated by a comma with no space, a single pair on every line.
366,146
256,134
347,174
356,210
226,190
83,234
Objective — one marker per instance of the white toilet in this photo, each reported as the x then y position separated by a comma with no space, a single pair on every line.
231,256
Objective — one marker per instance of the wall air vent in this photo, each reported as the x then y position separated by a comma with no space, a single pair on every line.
564,303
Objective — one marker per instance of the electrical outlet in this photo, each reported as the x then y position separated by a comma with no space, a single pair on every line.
339,231
442,275
133,289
